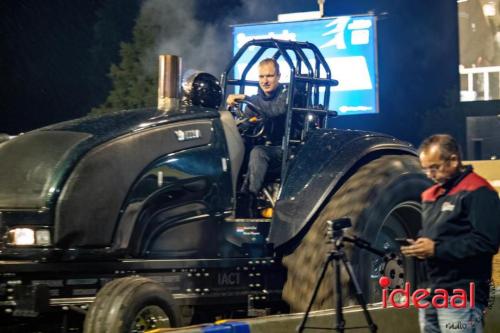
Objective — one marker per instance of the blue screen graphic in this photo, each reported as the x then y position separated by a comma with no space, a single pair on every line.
348,45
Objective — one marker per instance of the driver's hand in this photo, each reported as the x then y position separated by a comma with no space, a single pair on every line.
233,98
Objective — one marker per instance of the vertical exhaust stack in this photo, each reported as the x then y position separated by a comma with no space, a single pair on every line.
321,4
169,82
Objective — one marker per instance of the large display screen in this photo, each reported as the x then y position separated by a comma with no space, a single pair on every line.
479,38
348,44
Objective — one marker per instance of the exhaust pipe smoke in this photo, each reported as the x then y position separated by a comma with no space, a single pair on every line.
169,82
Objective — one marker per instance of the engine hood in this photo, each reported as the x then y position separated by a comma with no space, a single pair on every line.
33,165
108,126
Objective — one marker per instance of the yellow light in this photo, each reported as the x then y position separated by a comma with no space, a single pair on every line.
267,213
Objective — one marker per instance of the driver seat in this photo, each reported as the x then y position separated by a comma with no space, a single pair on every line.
235,145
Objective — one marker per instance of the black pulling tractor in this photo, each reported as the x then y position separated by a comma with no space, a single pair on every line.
130,221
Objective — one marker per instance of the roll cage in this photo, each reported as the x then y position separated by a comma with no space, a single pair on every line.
309,78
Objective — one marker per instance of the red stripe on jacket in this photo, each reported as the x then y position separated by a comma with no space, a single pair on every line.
470,183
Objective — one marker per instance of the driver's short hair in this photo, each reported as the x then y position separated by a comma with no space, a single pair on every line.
271,61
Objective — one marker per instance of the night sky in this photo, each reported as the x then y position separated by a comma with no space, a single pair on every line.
54,61
56,55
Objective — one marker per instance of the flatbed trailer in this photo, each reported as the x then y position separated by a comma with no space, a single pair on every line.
38,289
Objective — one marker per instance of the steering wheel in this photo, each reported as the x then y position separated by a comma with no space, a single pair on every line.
249,125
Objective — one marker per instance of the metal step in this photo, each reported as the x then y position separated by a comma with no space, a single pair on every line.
247,220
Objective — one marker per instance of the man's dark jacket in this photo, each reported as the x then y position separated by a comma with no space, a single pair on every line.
462,216
273,107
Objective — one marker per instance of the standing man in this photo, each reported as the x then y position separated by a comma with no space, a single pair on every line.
460,235
271,101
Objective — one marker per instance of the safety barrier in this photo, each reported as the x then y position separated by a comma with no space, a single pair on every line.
388,320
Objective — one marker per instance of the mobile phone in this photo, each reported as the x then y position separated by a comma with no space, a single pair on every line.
402,241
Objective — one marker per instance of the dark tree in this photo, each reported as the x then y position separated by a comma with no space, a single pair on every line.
115,20
133,86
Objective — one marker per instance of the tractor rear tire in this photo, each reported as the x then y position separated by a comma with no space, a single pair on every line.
382,199
132,304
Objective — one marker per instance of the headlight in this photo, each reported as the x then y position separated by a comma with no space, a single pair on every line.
28,236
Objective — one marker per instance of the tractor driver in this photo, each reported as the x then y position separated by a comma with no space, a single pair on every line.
271,100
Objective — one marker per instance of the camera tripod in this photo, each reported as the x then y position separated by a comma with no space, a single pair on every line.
336,256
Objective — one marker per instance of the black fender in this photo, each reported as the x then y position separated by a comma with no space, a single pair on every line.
321,166
181,193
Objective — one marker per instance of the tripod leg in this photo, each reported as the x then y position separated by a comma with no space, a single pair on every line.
338,290
302,325
359,293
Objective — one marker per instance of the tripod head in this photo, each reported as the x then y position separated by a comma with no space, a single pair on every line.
335,232
335,229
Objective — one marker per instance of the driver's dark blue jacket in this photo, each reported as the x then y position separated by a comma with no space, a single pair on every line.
273,108
462,216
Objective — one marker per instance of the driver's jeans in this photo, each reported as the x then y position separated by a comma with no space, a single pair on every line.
262,158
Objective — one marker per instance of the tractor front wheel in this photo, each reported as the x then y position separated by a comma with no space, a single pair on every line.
132,304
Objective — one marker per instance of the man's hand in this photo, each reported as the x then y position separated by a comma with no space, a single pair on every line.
422,248
233,98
